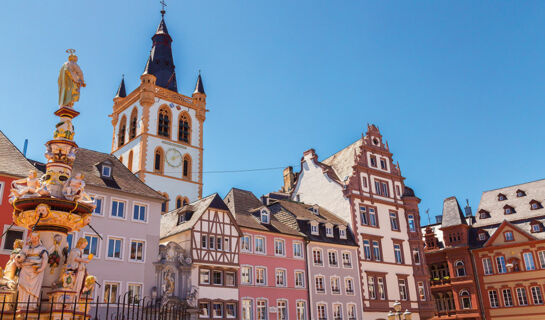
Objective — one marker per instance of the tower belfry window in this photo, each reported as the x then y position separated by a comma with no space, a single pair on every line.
132,124
184,127
163,128
158,161
121,134
187,167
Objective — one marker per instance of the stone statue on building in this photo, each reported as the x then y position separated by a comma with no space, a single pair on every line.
9,274
70,81
28,187
32,260
76,264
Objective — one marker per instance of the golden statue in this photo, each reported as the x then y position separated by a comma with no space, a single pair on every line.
70,81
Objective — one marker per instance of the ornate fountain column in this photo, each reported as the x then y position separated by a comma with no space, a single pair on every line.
50,207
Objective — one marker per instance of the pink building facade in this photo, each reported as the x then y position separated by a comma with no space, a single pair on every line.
272,276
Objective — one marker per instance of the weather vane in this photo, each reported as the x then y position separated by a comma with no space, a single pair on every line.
71,51
428,214
163,4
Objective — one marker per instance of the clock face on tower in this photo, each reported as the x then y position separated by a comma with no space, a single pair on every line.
174,158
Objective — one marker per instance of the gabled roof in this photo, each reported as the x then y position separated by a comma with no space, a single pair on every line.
169,220
506,224
244,205
343,161
12,161
452,213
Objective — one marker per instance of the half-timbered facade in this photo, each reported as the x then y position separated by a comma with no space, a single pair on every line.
208,230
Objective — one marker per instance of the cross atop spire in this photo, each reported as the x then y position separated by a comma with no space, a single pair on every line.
163,5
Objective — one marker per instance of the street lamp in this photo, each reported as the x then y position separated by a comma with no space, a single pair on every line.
396,313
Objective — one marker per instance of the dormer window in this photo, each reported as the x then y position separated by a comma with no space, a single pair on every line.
536,228
508,236
181,218
265,218
534,205
520,193
314,209
508,210
483,214
342,232
329,231
314,228
106,171
501,197
482,236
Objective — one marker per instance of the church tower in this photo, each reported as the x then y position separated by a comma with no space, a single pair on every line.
158,132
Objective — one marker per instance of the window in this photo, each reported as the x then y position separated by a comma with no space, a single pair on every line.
483,214
139,213
421,291
264,216
493,297
317,257
1,191
335,285
299,279
319,281
465,298
217,310
416,255
135,292
329,232
92,245
487,266
246,275
537,297
297,250
247,309
280,277
98,203
260,276
381,288
182,217
337,312
342,232
482,236
383,164
121,133
217,278
219,242
507,298
314,229
230,310
501,197
163,127
118,209
261,309
245,244
186,173
363,215
204,308
371,288
164,204
279,247
373,221
351,312
373,161
300,310
282,309
520,193
500,264
106,171
381,188
204,241
508,236
230,279
412,223
349,286
366,250
226,245
158,161
111,290
534,205
402,289
509,210
184,127
398,254
529,261
322,312
521,297
132,124
11,236
259,245
211,242
376,250
332,255
204,276
460,268
536,228
347,260
137,250
393,221
541,255
115,246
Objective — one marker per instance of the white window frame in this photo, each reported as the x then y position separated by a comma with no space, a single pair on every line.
1,192
336,254
340,306
346,279
541,258
342,232
266,307
104,166
145,213
526,261
143,250
265,215
205,271
286,308
265,280
304,307
314,263
285,273
318,305
302,272
99,244
279,240
349,259
300,244
314,228
106,282
141,284
124,208
121,247
102,202
323,284
488,268
340,290
493,298
252,303
234,309
242,249
250,274
264,252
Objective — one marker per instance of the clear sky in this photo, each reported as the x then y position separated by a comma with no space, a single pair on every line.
456,87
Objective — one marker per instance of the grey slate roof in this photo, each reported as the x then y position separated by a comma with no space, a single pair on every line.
121,92
12,161
343,161
199,87
452,213
244,205
160,61
169,220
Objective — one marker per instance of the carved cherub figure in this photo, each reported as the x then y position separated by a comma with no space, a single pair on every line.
9,276
74,189
28,187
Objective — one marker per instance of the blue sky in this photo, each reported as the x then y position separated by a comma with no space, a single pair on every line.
455,87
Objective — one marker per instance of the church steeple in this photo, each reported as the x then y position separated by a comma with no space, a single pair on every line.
199,87
121,92
160,62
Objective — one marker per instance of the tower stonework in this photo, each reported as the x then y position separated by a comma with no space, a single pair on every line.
158,132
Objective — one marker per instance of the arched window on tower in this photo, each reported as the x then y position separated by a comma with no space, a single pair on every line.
178,202
185,202
460,268
163,122
158,160
187,167
184,127
121,133
132,124
129,164
164,206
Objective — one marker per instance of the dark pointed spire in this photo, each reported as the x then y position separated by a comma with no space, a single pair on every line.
160,62
199,87
121,92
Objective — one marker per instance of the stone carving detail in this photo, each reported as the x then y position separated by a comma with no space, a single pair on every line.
28,187
32,260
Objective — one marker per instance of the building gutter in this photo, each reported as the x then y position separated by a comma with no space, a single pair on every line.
476,277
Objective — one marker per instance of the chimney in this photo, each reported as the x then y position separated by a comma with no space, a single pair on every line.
289,179
438,219
467,209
